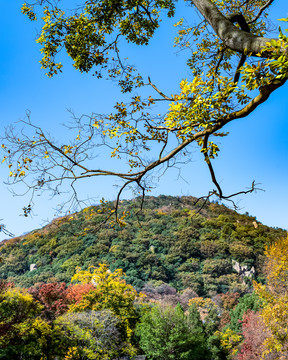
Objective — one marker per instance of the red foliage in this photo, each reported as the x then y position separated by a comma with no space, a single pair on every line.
255,333
4,285
53,297
77,291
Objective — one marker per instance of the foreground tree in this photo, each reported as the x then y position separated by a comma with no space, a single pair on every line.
234,68
275,297
169,333
94,319
90,335
23,333
111,293
53,298
254,333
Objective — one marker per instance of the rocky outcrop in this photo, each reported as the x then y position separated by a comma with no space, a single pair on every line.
243,270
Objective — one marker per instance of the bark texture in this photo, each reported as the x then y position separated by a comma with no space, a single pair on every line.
233,37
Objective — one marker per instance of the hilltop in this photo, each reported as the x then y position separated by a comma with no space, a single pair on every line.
169,242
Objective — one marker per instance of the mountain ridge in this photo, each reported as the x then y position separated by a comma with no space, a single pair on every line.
169,242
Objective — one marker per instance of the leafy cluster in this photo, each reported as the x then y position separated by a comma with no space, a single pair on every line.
90,35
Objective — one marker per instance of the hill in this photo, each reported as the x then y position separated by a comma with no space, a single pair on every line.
168,242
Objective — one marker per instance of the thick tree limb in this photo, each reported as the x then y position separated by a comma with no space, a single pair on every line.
239,18
234,38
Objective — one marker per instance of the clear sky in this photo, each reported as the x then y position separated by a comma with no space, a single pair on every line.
257,147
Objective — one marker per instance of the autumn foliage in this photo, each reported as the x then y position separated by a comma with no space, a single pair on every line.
76,292
275,297
254,333
96,316
53,297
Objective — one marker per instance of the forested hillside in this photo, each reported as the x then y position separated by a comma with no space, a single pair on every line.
184,278
170,241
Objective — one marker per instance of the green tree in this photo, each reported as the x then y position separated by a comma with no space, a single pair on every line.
209,313
90,335
168,333
23,334
247,302
110,292
233,69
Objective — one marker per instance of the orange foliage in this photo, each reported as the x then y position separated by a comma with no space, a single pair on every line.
76,292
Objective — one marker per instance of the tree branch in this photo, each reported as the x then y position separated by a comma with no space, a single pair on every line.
208,162
234,38
263,8
240,19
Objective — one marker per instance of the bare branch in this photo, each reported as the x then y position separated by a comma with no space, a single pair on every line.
159,91
5,231
208,162
261,10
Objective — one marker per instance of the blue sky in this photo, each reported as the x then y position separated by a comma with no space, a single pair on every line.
257,147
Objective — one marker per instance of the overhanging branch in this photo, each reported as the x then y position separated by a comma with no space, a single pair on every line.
234,38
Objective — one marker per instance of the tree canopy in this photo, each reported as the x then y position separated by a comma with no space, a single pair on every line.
234,65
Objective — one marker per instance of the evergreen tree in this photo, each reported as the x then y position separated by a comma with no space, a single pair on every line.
247,302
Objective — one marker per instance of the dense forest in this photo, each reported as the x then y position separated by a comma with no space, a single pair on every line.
168,242
202,282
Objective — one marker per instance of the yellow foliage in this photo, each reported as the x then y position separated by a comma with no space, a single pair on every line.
111,292
275,296
200,302
229,340
204,306
72,353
